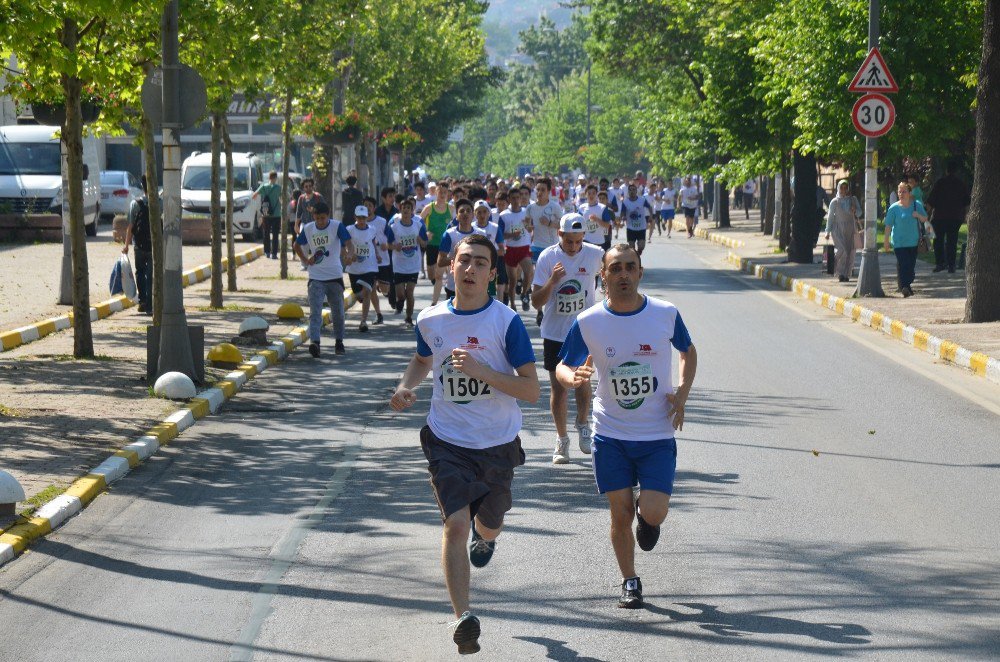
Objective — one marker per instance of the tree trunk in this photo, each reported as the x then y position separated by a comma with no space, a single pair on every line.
983,268
230,239
723,202
72,135
216,291
155,217
785,229
321,166
768,218
804,222
286,154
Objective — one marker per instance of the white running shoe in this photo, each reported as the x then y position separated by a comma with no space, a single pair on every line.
561,454
586,437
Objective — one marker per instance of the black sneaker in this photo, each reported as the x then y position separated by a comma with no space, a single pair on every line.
378,319
525,302
466,634
645,534
631,594
480,551
538,318
339,348
399,308
314,349
363,327
939,268
408,323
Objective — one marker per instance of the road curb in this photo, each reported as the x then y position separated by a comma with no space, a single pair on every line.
15,539
978,363
32,332
714,237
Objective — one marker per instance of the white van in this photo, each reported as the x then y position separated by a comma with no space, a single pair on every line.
196,189
31,174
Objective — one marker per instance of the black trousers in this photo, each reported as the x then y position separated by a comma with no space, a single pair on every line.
945,242
272,243
906,263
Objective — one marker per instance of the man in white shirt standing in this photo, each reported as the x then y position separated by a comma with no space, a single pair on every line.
749,190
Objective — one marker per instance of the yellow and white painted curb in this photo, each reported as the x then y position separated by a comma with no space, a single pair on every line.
714,237
32,332
980,364
17,538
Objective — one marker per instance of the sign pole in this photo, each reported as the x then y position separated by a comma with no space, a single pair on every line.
869,277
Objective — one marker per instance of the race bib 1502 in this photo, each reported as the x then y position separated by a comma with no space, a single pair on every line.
461,389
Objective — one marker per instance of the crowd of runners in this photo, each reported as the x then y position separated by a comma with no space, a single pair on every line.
488,247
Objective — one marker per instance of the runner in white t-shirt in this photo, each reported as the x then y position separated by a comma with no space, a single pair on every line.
363,269
329,247
636,214
565,280
517,237
410,239
482,363
628,342
595,216
689,197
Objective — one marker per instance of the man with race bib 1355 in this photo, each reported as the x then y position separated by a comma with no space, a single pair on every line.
628,341
565,278
482,363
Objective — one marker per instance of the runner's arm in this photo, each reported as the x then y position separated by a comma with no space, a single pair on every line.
415,373
687,365
523,385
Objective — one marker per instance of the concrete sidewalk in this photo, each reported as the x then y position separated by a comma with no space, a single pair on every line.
937,309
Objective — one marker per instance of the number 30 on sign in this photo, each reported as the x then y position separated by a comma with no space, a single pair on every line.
873,115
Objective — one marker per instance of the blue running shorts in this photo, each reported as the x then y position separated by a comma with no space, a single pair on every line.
620,464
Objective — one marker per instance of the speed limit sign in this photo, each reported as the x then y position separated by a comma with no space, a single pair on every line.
873,115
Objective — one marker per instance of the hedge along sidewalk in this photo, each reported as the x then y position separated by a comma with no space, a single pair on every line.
15,539
979,363
32,332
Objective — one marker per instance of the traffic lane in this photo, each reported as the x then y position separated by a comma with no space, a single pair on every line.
762,556
171,558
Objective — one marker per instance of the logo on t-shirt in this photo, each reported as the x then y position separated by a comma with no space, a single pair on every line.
610,351
645,350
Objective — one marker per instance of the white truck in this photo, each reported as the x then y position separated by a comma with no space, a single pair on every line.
31,174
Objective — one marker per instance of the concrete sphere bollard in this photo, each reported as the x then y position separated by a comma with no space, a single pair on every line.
254,324
175,386
10,493
290,311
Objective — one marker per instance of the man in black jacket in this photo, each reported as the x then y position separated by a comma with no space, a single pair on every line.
948,200
350,198
138,233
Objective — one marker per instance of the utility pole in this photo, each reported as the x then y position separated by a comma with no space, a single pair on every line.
870,278
588,103
175,344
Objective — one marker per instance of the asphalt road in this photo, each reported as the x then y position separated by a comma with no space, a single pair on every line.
299,525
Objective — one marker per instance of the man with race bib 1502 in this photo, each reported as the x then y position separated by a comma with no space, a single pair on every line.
482,363
564,284
628,343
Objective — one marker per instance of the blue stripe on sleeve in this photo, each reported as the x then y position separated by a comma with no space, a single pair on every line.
445,246
389,236
682,339
518,344
574,351
301,239
423,349
343,234
423,232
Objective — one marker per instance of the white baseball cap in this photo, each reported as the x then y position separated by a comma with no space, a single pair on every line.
481,204
361,211
572,222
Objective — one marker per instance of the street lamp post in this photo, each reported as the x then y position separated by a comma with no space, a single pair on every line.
869,277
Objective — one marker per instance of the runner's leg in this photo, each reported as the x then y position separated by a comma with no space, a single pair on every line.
654,506
455,559
622,539
583,396
558,405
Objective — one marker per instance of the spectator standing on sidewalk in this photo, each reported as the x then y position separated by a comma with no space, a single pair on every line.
749,189
306,204
948,202
350,198
138,233
270,213
842,225
902,231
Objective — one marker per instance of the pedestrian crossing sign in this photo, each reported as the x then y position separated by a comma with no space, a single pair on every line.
873,76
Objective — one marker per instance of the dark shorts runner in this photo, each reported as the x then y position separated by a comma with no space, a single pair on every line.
690,211
477,478
550,350
361,282
432,255
385,274
635,235
402,279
